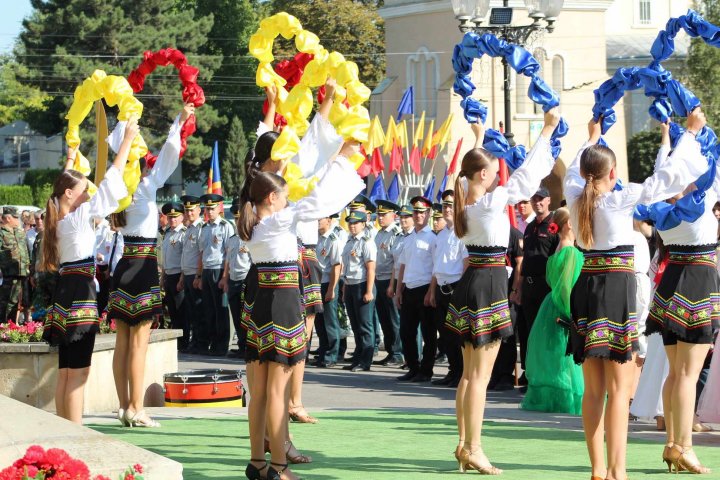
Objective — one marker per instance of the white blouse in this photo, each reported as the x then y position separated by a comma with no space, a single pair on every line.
142,213
75,233
308,232
274,238
487,219
613,219
702,231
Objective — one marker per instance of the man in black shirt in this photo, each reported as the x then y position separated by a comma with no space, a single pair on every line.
538,244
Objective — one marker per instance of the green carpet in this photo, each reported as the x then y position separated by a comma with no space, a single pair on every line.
384,445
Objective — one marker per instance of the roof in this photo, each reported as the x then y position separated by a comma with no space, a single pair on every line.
625,47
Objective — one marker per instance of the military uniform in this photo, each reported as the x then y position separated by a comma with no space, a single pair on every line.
327,324
199,340
237,263
213,239
172,271
15,267
360,250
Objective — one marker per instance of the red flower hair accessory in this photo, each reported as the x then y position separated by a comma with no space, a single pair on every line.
553,228
192,92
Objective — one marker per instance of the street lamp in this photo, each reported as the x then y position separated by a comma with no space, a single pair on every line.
472,13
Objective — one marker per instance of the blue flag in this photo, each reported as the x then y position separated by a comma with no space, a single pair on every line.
378,190
442,188
407,103
393,191
430,189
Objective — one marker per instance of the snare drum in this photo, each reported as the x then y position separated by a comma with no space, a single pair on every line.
204,388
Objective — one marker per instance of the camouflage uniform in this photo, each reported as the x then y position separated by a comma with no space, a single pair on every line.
14,263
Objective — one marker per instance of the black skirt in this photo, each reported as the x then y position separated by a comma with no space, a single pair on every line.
73,311
311,276
135,292
687,300
479,313
276,329
250,292
603,306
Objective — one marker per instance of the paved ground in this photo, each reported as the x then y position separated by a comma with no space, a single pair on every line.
337,389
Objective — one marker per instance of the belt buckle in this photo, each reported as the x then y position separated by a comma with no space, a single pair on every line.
442,289
530,280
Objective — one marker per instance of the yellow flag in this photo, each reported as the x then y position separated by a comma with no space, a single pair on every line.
442,136
390,136
428,139
419,130
402,136
376,136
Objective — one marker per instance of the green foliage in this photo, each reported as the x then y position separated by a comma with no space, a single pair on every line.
16,99
40,181
642,150
352,28
64,41
703,65
233,161
16,195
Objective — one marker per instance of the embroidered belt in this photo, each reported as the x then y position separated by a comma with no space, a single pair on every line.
138,247
697,255
619,259
484,257
278,275
84,267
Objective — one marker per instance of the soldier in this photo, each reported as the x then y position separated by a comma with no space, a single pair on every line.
190,256
14,263
359,258
329,256
438,220
214,235
172,270
384,304
237,266
364,204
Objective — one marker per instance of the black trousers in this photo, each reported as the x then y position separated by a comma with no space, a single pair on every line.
414,314
534,290
174,301
362,322
504,367
217,323
235,302
327,326
447,342
194,314
389,319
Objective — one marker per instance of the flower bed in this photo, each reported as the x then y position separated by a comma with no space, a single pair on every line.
14,333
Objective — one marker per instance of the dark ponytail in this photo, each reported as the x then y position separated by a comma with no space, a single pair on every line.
474,161
254,161
261,186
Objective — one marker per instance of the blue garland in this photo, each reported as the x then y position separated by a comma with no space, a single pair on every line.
475,46
670,98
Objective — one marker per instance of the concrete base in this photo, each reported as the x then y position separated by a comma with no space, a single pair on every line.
28,372
102,453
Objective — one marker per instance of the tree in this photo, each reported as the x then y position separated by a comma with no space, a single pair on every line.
641,151
64,41
703,65
17,101
352,28
233,163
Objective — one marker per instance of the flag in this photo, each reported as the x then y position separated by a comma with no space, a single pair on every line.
430,189
419,132
402,134
415,160
364,169
432,153
376,136
376,164
443,187
407,103
396,158
391,135
427,146
378,190
453,164
442,136
393,192
214,182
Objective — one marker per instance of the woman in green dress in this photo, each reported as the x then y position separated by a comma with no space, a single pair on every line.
555,383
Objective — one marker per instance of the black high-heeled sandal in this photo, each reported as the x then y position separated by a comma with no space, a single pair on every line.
275,474
254,473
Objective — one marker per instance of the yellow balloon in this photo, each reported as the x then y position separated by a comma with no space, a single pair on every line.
299,101
355,125
315,73
357,93
307,42
266,76
261,47
346,72
338,112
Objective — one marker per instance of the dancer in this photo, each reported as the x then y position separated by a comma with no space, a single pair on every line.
603,300
686,310
135,295
555,383
478,313
276,331
68,244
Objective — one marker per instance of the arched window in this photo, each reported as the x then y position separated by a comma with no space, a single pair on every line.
424,75
558,75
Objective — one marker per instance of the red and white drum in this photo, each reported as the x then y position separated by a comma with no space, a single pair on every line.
204,388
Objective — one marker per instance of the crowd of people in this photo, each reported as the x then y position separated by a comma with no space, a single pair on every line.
607,316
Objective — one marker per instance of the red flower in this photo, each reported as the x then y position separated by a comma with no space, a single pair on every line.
553,228
138,468
100,477
129,476
33,456
11,473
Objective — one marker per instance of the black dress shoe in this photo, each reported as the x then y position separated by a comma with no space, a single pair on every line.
236,354
393,362
407,377
421,378
383,361
327,365
350,367
492,383
453,383
443,381
358,368
504,385
404,366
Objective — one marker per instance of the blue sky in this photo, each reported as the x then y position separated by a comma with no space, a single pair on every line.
13,12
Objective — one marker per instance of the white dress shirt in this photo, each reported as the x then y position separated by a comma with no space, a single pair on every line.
612,222
448,254
417,258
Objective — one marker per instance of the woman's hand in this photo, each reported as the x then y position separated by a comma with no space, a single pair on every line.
552,119
188,109
350,148
271,93
594,130
330,87
478,130
696,121
131,130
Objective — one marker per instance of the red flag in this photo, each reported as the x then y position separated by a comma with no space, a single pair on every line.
377,162
364,169
396,158
415,160
453,164
432,153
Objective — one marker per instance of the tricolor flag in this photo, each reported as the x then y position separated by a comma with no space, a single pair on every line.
214,181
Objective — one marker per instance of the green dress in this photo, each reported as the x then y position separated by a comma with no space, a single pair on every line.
555,382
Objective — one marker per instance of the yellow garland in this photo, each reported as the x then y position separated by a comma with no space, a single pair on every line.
352,123
115,91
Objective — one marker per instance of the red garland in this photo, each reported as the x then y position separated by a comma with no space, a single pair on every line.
192,92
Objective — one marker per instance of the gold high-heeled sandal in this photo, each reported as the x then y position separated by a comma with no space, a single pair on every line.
469,463
677,456
458,453
140,419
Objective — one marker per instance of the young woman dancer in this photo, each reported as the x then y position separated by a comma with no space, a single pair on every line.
135,293
276,331
685,310
603,301
555,383
72,320
478,312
